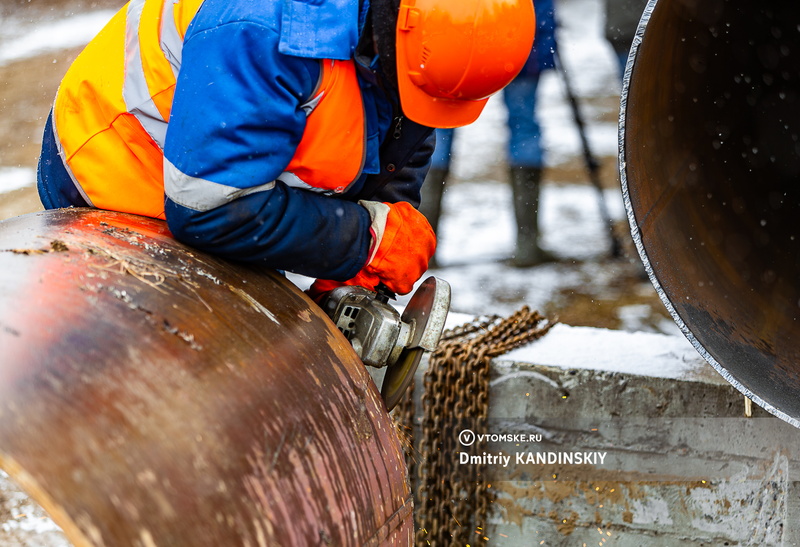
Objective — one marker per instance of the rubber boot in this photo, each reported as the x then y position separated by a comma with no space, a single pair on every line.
431,200
525,182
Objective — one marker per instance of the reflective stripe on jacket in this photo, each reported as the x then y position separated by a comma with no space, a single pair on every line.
112,110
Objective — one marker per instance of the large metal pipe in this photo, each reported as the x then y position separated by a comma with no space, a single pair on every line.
154,395
710,166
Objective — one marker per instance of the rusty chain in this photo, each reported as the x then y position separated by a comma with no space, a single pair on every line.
452,502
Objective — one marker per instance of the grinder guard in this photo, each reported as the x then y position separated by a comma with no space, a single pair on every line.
382,337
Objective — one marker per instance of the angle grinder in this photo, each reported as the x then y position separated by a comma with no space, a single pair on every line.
382,337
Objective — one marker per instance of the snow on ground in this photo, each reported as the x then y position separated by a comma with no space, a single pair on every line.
569,347
639,353
14,178
23,39
23,522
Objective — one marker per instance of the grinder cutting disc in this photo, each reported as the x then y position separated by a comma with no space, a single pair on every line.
426,313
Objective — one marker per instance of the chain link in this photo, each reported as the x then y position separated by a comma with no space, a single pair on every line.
452,501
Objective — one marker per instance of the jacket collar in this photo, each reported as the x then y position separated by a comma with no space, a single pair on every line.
322,29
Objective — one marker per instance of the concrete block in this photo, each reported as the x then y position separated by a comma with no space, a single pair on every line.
680,465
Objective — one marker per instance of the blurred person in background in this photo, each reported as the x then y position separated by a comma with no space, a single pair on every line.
525,151
622,20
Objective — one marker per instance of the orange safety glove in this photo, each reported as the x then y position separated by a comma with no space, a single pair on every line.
403,243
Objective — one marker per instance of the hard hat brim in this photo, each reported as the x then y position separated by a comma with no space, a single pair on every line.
433,111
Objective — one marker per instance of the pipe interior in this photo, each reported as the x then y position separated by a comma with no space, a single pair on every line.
711,162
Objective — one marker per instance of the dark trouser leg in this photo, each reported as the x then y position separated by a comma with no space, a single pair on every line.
431,199
54,184
525,182
431,196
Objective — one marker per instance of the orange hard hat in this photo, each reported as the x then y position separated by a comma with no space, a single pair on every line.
453,54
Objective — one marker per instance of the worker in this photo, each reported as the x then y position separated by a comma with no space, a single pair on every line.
294,134
525,151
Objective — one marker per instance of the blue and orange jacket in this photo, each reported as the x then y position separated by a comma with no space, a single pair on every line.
253,128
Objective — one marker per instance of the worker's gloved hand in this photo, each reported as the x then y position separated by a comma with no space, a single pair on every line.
403,243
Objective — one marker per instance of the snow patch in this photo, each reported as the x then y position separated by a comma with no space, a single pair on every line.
53,36
14,178
639,353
